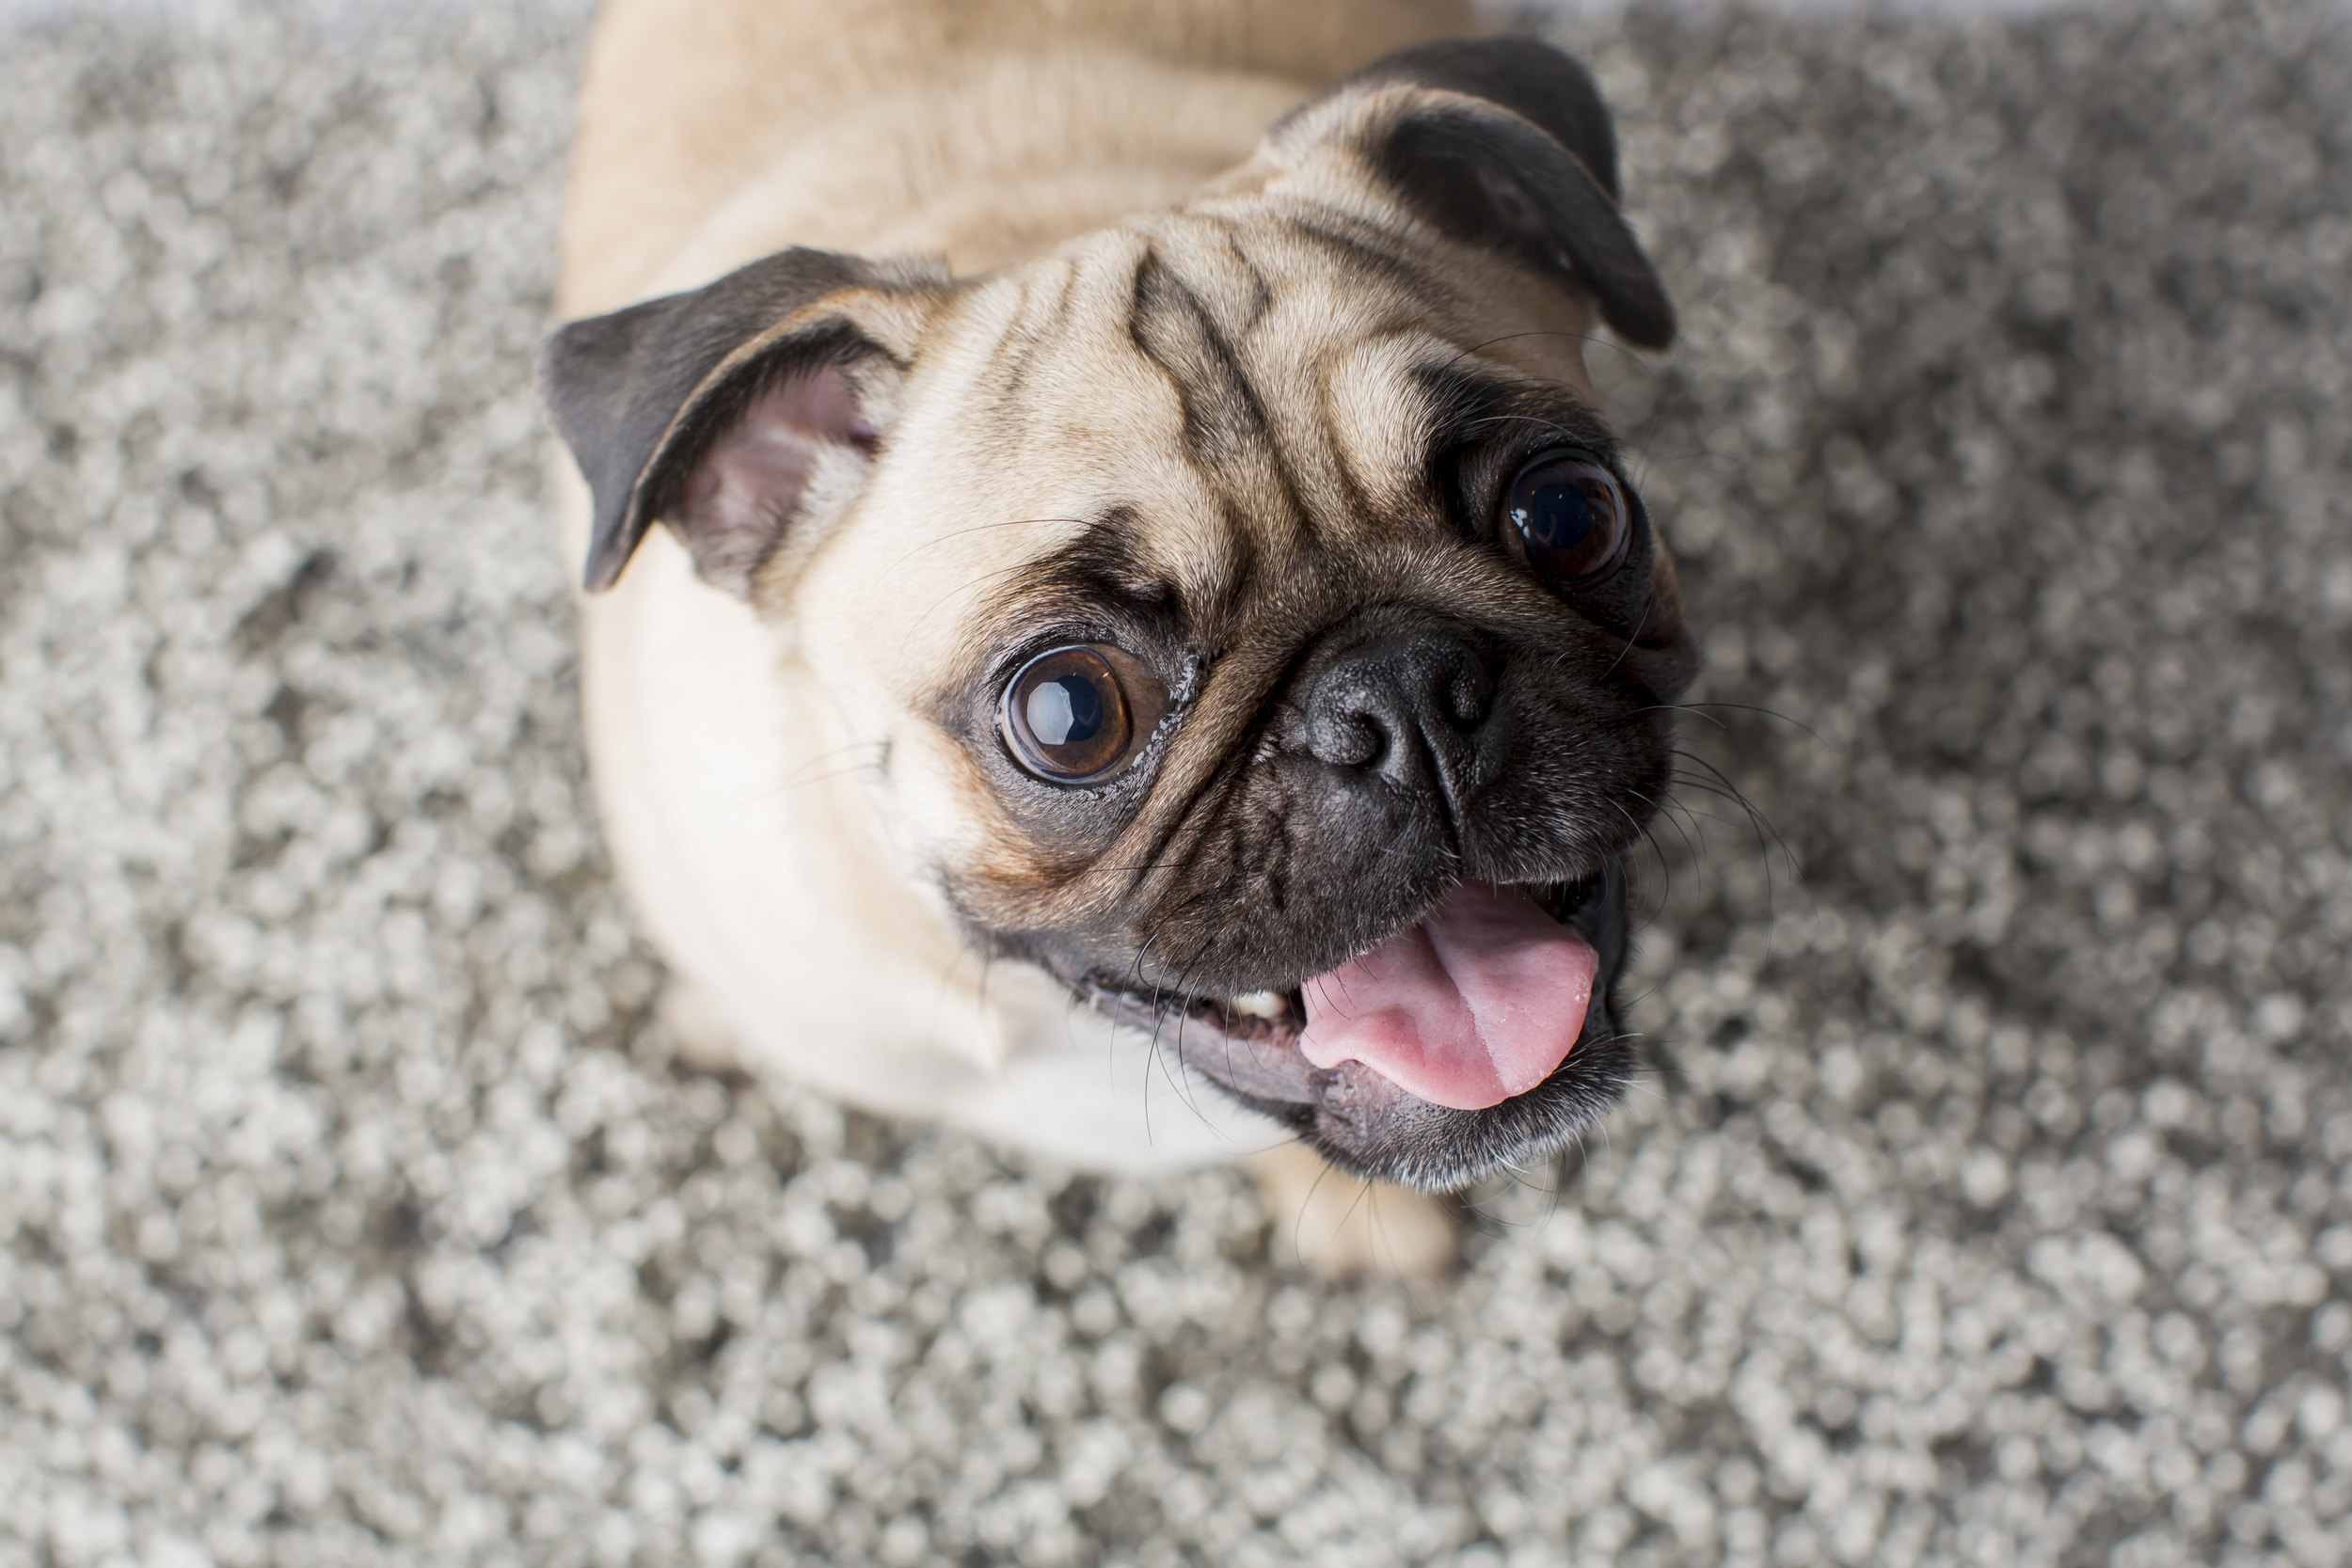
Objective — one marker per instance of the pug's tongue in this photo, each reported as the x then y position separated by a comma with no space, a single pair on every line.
1478,1001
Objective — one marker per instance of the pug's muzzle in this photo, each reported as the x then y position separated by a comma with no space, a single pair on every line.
1477,1032
1363,1119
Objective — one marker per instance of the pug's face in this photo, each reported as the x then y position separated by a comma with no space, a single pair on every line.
1244,611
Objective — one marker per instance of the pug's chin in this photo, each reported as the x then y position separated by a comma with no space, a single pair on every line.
1361,1120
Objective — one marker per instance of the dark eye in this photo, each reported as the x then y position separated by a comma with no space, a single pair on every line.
1570,515
1078,714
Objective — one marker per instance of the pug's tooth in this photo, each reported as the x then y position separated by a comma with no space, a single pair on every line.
1259,1004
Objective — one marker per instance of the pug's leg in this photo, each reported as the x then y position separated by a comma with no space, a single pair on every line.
1340,1226
700,1042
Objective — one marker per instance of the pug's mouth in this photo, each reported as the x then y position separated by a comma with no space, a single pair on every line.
1476,1038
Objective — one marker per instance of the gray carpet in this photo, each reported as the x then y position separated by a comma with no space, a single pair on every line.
1990,1200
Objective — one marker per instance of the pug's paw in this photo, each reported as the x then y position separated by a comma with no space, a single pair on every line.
1340,1227
699,1043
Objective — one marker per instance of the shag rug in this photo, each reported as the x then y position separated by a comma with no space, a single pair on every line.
1987,1199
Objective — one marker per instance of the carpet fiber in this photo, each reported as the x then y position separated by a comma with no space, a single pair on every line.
1989,1199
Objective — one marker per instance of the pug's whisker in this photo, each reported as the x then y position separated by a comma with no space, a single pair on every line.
954,534
1516,1173
1633,637
1668,802
1632,716
1183,1017
1704,787
1664,808
1306,1207
1152,1048
1719,782
974,584
1559,432
1404,1277
1574,1141
1694,835
1767,836
1639,997
1700,709
1641,466
782,790
1664,868
1589,340
1555,1191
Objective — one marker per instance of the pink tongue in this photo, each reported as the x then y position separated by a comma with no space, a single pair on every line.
1478,1002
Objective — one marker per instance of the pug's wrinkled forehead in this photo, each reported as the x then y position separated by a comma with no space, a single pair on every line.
1450,169
1189,414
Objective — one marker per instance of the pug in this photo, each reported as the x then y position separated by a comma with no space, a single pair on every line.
1112,615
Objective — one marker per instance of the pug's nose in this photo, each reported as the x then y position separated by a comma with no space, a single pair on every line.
1396,706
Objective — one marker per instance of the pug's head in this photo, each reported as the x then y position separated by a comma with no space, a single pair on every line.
1244,611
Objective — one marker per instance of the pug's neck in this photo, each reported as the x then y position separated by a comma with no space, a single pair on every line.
713,131
990,162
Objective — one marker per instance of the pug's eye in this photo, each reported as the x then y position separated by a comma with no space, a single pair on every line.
1570,517
1079,714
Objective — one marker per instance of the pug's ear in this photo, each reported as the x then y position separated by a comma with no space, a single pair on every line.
1501,142
726,412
